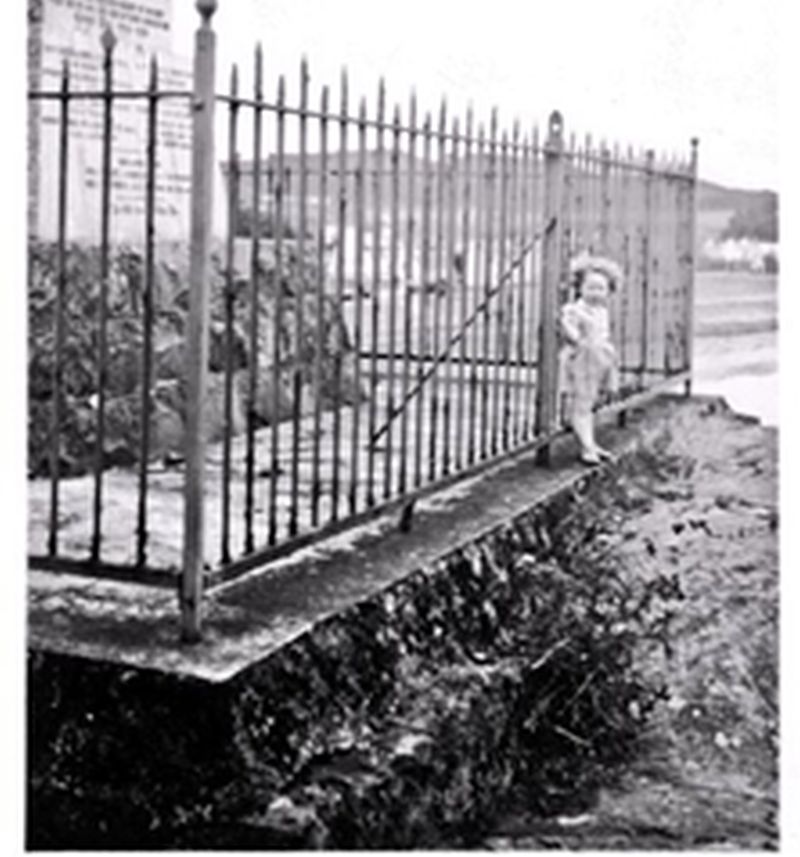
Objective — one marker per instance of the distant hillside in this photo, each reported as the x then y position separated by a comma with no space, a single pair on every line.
724,212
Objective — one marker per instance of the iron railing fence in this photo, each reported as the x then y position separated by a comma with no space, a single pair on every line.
377,318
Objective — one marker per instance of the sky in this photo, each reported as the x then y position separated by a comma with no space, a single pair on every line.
652,73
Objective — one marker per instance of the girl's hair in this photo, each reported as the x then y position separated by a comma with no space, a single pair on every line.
582,264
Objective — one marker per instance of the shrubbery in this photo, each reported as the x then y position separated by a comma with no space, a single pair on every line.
123,372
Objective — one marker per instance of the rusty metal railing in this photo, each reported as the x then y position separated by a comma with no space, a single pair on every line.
383,301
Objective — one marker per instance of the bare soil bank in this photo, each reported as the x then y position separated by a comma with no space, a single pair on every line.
708,777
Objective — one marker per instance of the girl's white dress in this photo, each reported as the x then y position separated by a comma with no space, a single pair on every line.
587,360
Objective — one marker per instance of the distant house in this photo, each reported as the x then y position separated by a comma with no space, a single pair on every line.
745,254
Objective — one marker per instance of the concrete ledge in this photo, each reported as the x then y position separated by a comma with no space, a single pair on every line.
253,616
138,742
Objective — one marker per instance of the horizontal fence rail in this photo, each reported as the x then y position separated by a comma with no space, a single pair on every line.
382,315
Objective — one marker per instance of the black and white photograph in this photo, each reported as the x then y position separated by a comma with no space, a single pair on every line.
396,456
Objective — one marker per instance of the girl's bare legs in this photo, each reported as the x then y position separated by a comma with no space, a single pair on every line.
582,423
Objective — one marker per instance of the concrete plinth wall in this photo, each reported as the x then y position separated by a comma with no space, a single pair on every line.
400,719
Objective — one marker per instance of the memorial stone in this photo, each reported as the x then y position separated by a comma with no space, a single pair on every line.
72,30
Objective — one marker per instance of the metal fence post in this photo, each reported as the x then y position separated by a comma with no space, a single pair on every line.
690,263
191,591
546,387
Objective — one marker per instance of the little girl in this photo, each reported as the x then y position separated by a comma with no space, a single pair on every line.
588,360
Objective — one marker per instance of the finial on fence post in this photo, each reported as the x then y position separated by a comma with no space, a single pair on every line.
555,129
206,8
695,143
107,39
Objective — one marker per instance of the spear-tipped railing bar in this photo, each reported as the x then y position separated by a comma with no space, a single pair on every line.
500,319
491,175
463,268
339,343
299,304
360,180
230,309
147,314
275,427
433,419
472,446
108,43
407,290
61,288
319,349
533,313
377,237
451,202
425,260
255,276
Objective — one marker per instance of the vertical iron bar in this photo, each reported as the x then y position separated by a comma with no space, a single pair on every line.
439,232
532,332
510,320
605,200
55,425
407,293
667,260
578,180
230,309
339,313
511,408
654,244
452,199
571,163
647,241
631,258
394,192
299,303
255,269
501,322
423,345
197,332
587,238
525,236
476,280
621,250
551,276
588,195
678,324
275,416
108,42
677,266
489,261
377,236
147,312
690,262
322,339
463,277
359,304
691,239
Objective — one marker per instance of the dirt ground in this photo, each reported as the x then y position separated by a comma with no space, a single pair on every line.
707,777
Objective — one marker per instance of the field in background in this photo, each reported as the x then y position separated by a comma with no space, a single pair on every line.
736,340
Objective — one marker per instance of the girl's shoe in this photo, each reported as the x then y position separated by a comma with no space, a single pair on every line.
591,458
